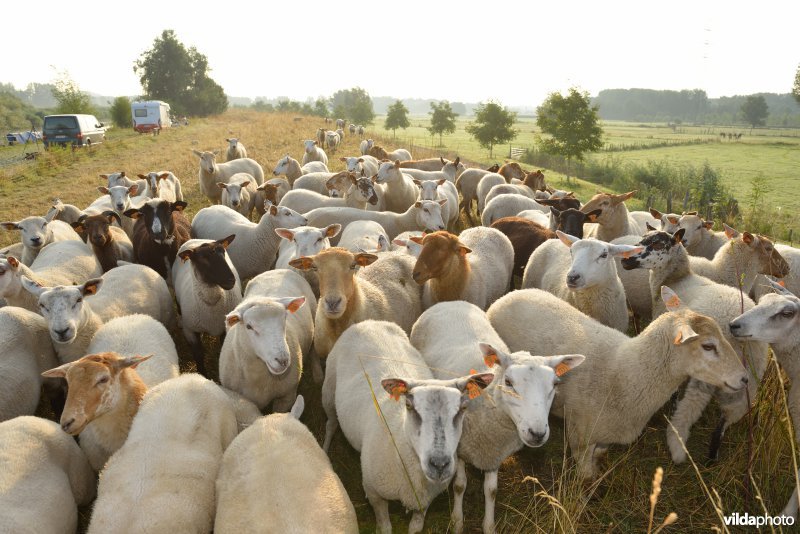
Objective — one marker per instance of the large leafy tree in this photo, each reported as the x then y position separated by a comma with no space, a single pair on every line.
69,96
121,112
493,125
354,105
572,124
170,72
396,117
755,110
443,119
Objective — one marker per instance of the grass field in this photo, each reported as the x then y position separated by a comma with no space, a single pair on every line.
538,491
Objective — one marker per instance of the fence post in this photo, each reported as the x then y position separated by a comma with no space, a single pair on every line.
669,202
649,202
709,212
686,201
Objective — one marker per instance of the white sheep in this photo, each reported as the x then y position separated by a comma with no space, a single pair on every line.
256,246
424,175
164,184
332,140
698,237
38,232
211,173
313,152
236,150
623,381
118,199
364,236
207,287
791,280
44,476
362,166
310,497
121,179
68,213
454,339
583,273
467,184
508,189
348,294
365,145
125,290
27,352
539,218
359,193
485,184
144,485
509,206
437,190
314,181
419,462
474,266
409,242
59,263
268,334
614,221
239,193
304,241
400,191
290,167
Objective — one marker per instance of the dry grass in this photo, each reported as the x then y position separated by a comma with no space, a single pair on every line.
538,488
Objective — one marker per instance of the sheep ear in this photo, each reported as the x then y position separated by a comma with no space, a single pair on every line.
441,182
492,356
677,237
245,183
363,259
472,386
774,284
102,189
132,190
298,407
304,263
232,319
343,158
442,160
215,152
90,287
730,233
648,227
567,239
684,334
417,182
564,363
671,299
416,239
273,209
133,213
332,230
442,201
163,176
10,225
616,199
13,262
110,215
195,152
178,206
58,372
748,238
399,242
656,214
50,215
593,215
708,224
185,255
292,304
553,211
131,361
673,220
34,288
462,250
285,233
222,185
626,251
78,227
142,176
395,387
105,176
225,242
360,160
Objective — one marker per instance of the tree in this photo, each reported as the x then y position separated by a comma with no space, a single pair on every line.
493,125
69,96
353,104
121,112
755,111
396,117
321,108
796,86
443,119
572,123
170,72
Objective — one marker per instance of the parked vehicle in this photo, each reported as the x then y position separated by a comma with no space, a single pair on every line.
150,115
75,130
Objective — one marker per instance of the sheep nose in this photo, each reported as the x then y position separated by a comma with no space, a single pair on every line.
36,240
62,334
415,275
439,464
333,303
120,206
536,438
734,326
572,279
66,424
745,380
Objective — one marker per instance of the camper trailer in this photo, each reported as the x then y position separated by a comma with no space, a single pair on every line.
151,115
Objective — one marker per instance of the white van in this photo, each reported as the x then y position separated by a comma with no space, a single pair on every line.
150,115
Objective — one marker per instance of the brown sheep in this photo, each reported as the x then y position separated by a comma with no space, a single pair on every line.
525,237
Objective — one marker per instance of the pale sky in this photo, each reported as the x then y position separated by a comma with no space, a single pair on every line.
512,52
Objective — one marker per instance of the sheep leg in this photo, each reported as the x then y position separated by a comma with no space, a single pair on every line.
489,496
196,348
417,521
689,409
793,504
459,487
381,508
582,452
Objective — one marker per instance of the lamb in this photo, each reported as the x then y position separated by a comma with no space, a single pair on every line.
304,241
668,261
525,237
310,498
239,194
349,295
699,239
405,242
44,476
422,215
144,485
37,232
454,339
359,193
583,273
321,136
27,352
352,129
110,244
365,146
364,236
117,199
313,152
267,335
507,206
615,221
236,150
362,166
400,192
73,320
212,172
207,288
116,179
332,140
161,229
291,168
437,190
164,184
623,381
273,191
485,184
256,245
447,273
420,461
381,154
59,263
775,321
453,169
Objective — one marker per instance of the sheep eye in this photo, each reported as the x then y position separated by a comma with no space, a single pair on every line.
788,314
508,383
604,255
248,327
353,266
658,246
102,380
709,347
80,299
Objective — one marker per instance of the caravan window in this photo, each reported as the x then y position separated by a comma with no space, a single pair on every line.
140,112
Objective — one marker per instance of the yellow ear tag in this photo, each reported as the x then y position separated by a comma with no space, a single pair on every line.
561,369
398,390
490,359
474,390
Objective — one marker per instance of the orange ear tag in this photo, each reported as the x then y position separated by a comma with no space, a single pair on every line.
398,390
561,369
473,372
677,340
473,389
673,302
490,359
782,283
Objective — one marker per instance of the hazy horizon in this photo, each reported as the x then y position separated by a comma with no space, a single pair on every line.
447,50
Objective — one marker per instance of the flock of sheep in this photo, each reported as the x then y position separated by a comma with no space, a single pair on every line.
464,342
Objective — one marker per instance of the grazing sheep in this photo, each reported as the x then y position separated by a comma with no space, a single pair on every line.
422,215
144,485
207,288
110,244
454,339
668,262
381,154
437,190
508,206
161,229
400,191
420,460
73,320
211,173
60,263
365,146
447,273
164,184
349,295
360,192
273,191
256,245
362,166
27,352
38,232
236,150
314,152
291,168
364,236
525,237
310,497
485,184
239,194
583,273
623,381
267,335
614,221
304,241
44,476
